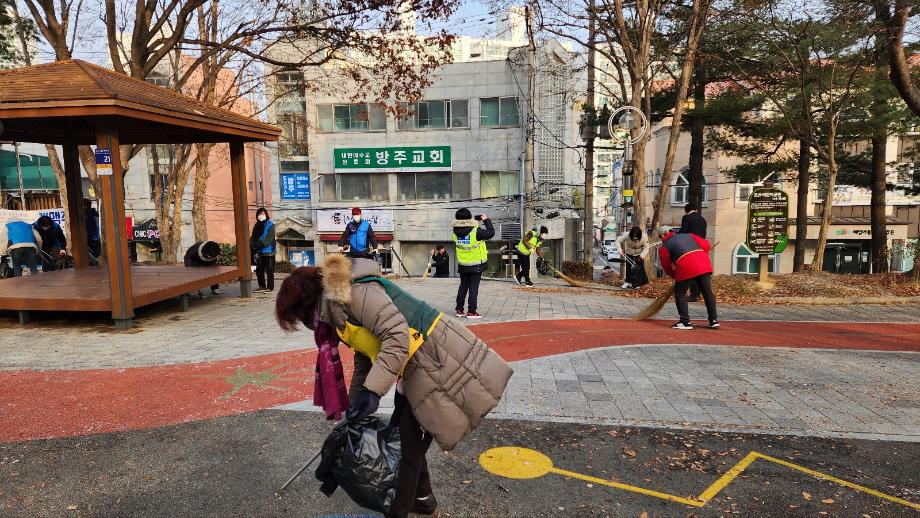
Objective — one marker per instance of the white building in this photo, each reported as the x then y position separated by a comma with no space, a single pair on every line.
461,146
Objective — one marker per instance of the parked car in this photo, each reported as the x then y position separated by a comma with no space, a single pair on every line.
613,254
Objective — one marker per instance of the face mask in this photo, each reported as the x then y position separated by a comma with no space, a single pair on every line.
544,236
357,219
262,217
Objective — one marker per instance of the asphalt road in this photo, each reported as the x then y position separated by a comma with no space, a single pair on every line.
231,467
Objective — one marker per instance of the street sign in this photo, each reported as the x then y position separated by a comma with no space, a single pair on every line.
103,162
295,186
627,192
768,220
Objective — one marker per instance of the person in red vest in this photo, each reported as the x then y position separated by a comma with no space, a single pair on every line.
685,257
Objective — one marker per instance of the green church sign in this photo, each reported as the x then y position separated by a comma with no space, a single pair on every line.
392,159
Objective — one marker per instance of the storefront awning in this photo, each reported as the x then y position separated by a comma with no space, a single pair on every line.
37,174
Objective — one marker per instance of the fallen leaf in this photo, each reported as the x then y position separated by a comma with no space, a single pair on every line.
806,496
630,453
827,501
71,508
643,515
467,481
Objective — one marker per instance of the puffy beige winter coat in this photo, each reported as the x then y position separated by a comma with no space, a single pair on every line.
451,382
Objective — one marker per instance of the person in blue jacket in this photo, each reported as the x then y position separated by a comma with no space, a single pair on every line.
54,243
358,238
262,242
22,242
93,239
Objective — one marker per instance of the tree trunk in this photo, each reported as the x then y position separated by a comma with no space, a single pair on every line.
801,212
697,23
58,169
697,143
895,25
817,264
200,191
879,227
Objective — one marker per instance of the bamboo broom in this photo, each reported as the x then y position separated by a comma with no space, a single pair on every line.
566,278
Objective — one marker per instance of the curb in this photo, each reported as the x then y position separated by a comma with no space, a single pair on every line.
826,301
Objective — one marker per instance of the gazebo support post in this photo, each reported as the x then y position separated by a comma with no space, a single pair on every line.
75,213
113,222
241,216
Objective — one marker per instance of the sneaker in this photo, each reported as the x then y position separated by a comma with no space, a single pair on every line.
529,285
260,289
713,324
473,315
426,505
517,279
460,313
681,325
626,286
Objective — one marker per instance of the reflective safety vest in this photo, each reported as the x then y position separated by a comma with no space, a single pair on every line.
420,316
358,238
534,244
470,251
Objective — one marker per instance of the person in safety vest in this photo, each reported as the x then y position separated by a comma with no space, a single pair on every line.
358,238
22,242
262,242
446,378
470,243
685,257
531,242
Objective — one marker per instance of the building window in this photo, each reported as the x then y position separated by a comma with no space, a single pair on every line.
743,192
680,191
493,184
355,187
451,113
427,186
746,262
499,112
340,118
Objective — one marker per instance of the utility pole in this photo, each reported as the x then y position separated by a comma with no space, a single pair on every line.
527,214
588,245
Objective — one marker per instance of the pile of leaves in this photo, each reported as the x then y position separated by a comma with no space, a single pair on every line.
743,289
578,270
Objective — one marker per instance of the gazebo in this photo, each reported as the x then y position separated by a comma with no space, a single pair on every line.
74,103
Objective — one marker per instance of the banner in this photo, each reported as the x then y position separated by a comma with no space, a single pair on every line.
846,195
335,220
392,159
31,216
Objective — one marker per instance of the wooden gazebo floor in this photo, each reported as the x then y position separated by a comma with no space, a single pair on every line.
88,289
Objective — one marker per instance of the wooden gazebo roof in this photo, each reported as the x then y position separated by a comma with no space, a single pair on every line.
57,102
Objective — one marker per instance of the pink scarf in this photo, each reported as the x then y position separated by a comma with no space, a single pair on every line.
329,390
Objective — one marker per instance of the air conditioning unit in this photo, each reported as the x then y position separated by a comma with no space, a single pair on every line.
510,231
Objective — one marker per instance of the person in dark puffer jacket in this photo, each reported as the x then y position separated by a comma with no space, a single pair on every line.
203,253
685,257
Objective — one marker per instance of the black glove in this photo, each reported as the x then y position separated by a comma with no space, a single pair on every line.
365,404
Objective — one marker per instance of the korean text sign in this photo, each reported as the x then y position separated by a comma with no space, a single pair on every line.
295,186
392,159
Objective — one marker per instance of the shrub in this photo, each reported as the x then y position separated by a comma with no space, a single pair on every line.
227,255
283,267
578,270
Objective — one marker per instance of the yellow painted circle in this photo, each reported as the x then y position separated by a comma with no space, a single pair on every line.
514,462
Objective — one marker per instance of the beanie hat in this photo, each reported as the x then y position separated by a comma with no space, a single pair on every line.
355,211
463,214
663,230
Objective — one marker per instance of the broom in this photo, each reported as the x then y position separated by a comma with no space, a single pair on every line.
659,302
566,278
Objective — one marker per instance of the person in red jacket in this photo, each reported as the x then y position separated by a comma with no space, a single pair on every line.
685,257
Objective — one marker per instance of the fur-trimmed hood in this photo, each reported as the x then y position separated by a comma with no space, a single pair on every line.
463,227
339,271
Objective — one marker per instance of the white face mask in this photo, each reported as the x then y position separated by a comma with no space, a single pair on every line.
357,219
262,217
544,236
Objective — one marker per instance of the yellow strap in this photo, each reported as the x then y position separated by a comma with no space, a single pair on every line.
361,340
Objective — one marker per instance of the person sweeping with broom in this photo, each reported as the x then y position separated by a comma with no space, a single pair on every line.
685,258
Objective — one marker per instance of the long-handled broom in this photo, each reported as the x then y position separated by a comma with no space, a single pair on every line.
566,278
659,302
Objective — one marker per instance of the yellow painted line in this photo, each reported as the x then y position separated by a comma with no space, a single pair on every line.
728,477
524,463
627,487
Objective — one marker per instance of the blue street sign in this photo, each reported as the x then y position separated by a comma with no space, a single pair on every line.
103,162
295,186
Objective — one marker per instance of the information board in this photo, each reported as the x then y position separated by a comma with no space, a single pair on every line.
295,186
768,221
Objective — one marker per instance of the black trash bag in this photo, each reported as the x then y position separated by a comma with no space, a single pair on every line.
542,266
363,458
